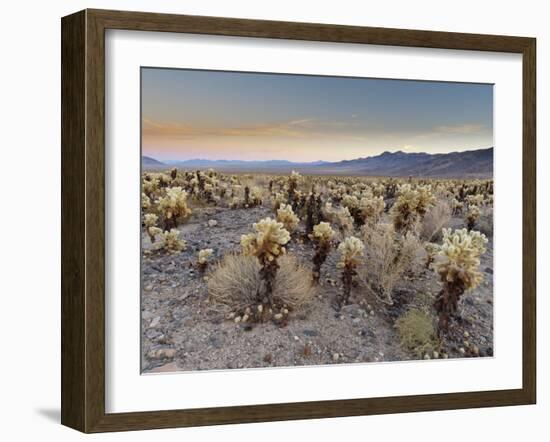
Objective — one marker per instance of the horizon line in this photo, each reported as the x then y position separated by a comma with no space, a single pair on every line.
313,161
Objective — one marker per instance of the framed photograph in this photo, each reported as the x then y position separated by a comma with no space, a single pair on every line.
267,220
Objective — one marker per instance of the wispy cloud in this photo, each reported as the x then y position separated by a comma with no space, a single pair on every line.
293,128
464,129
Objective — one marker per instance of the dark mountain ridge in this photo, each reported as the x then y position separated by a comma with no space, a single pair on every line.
466,164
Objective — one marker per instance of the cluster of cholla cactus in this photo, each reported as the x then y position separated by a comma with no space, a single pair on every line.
171,242
371,208
203,259
410,206
287,217
322,237
145,202
150,223
173,206
266,244
340,217
351,252
457,264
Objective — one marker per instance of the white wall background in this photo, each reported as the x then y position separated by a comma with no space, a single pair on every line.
30,216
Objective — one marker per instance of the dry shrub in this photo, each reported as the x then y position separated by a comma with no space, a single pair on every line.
235,283
417,332
437,217
389,257
485,221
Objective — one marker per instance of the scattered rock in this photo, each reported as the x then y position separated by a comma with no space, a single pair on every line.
162,353
155,322
212,223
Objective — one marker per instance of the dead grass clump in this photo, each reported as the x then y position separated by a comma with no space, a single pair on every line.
235,284
390,256
417,332
437,217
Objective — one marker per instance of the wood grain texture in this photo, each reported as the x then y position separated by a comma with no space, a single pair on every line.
73,210
83,219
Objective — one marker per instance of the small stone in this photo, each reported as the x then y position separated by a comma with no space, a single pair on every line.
247,311
466,334
461,350
278,316
335,357
436,355
155,322
162,353
237,319
260,308
245,318
212,223
372,312
356,320
466,344
296,338
309,332
148,288
427,356
285,311
231,315
445,356
475,350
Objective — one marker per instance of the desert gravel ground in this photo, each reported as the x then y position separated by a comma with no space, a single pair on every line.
182,330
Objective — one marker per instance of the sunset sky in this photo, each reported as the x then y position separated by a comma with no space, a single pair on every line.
188,114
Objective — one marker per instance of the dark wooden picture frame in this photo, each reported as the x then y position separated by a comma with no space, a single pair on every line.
83,220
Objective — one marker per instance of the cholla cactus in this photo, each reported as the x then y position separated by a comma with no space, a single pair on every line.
145,202
150,185
293,195
174,206
457,264
171,242
255,196
278,200
425,199
150,222
475,200
404,211
202,259
371,208
235,203
456,206
431,250
267,244
351,252
286,216
472,215
322,237
341,217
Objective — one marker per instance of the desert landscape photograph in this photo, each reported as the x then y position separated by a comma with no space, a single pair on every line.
302,220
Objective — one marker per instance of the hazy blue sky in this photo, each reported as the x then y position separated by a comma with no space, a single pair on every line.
230,115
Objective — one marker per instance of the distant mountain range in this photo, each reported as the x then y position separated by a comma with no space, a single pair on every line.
467,164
